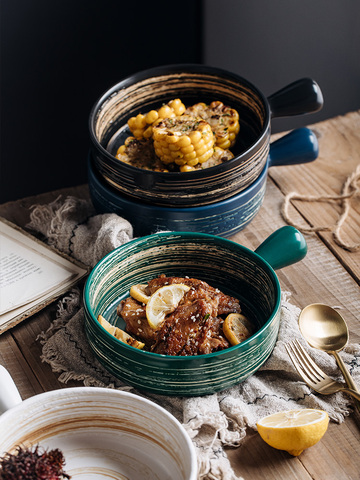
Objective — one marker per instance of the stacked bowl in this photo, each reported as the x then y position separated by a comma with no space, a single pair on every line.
181,217
219,200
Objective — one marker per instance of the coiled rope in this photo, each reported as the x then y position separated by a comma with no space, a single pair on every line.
350,191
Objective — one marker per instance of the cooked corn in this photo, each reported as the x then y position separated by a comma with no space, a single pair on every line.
218,157
141,125
184,140
139,152
224,121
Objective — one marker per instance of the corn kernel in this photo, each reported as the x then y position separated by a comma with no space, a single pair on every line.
203,149
140,121
178,107
180,161
190,156
192,162
188,149
171,138
138,132
165,111
184,141
195,136
121,150
131,122
186,168
148,132
151,116
129,140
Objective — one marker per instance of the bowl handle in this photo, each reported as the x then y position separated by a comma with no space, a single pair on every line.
9,394
299,146
283,247
297,98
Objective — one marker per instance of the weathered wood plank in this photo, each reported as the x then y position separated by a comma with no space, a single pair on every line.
339,156
14,361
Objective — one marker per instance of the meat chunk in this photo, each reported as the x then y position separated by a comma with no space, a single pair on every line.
194,328
190,330
134,315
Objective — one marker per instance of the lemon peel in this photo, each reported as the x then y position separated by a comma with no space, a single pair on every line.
293,430
138,292
164,301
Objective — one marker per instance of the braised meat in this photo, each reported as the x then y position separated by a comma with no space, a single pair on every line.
134,315
193,328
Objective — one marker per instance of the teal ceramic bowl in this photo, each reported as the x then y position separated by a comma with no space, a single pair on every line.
234,269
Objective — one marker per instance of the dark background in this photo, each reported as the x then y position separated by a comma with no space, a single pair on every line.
58,57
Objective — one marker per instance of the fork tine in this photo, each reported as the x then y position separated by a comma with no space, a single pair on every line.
317,372
305,364
298,364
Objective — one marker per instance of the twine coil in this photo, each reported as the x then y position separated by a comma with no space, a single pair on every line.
350,191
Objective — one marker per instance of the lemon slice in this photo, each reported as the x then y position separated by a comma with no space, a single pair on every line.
164,301
237,328
138,292
293,430
120,334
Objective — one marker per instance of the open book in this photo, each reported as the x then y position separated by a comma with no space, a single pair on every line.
32,274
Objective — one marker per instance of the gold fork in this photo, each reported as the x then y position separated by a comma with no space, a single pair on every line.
312,374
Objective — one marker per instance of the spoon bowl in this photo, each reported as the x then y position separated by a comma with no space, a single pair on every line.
323,327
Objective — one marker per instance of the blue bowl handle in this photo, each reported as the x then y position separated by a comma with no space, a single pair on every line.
298,146
283,247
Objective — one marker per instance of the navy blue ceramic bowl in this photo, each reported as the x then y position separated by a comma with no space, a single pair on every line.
223,218
151,88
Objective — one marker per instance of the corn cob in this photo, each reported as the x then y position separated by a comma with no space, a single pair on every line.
141,125
224,121
139,152
184,140
218,157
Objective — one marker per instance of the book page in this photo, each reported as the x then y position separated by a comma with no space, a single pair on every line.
25,274
32,274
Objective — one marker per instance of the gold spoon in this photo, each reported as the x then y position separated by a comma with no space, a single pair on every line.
324,328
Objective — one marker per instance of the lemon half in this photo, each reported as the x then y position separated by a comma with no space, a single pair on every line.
164,301
293,430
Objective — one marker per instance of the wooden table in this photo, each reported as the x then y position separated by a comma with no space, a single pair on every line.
328,274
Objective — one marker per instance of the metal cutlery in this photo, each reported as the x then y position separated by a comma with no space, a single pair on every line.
312,374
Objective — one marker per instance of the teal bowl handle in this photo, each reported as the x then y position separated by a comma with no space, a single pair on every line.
283,247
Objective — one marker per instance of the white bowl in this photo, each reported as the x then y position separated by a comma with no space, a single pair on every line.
103,434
